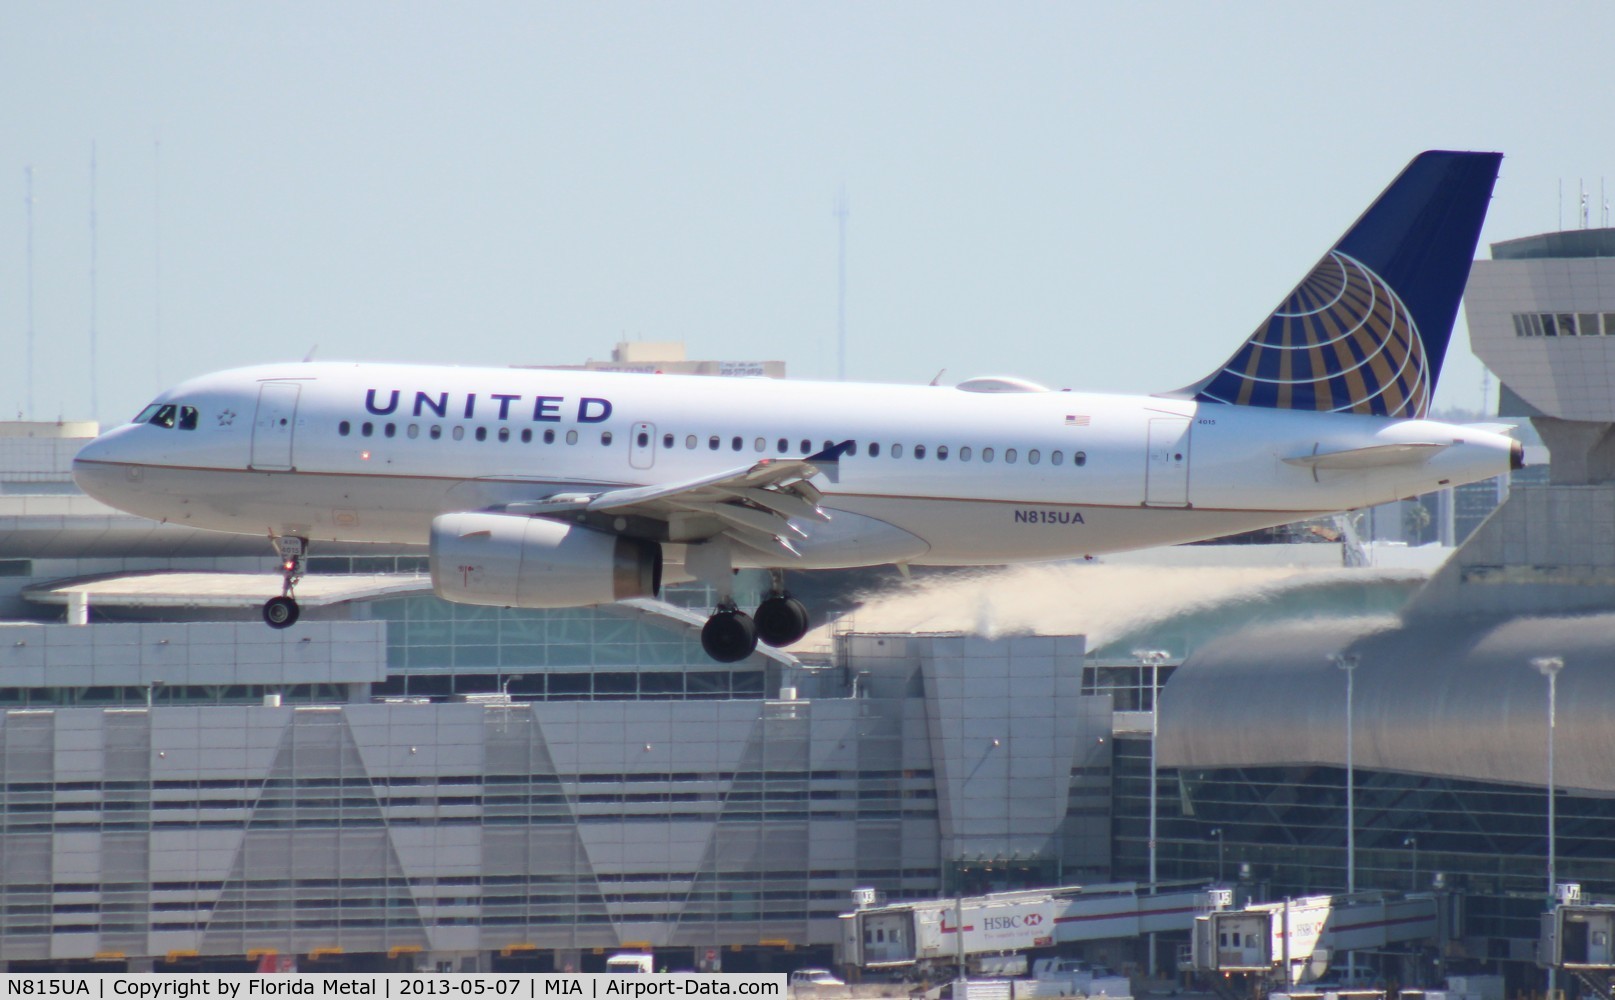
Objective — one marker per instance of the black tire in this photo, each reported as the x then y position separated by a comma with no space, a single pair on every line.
281,612
781,620
729,636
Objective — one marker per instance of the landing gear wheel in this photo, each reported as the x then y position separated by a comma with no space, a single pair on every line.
729,636
781,620
281,612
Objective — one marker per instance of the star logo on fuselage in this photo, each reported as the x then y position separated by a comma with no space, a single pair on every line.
226,418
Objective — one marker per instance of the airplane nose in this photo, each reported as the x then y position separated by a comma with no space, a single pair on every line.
96,469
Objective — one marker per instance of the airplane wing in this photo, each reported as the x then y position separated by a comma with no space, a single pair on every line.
751,505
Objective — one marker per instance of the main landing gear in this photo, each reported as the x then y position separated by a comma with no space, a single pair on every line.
731,635
283,611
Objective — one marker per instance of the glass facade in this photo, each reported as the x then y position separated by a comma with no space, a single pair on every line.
1288,824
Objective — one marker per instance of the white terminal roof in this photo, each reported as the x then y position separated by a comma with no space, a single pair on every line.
224,590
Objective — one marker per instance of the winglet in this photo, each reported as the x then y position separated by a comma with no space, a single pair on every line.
828,461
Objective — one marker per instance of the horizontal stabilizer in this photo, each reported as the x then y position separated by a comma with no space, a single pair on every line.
1372,457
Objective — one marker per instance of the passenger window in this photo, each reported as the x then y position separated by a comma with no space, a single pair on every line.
828,445
667,440
807,447
1079,458
572,437
986,454
527,435
941,453
1032,457
874,450
712,443
390,430
964,454
367,428
187,418
435,433
343,428
1009,455
689,441
735,443
897,451
919,451
504,435
605,438
784,446
458,434
643,439
414,431
482,433
549,435
759,445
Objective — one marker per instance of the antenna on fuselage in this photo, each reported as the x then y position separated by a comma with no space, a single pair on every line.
310,355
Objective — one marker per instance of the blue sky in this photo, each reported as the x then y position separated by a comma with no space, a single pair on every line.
1100,196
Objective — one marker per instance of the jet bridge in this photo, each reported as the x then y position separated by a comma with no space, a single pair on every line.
946,931
1297,938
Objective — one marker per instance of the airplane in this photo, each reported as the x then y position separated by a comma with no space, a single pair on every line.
542,488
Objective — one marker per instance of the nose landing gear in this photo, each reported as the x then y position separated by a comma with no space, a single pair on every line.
283,611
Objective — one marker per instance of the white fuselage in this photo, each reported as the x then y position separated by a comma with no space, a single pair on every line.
372,452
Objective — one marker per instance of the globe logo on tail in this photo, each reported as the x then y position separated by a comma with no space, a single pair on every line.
1343,341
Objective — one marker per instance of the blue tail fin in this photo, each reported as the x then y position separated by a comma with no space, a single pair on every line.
1366,331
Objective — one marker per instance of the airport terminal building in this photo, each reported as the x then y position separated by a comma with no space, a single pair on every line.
401,782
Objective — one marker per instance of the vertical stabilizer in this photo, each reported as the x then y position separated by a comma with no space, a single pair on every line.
1367,329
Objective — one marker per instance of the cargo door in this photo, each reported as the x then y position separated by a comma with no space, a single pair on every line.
1166,477
275,425
642,446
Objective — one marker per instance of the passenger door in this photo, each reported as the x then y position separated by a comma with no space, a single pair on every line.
1166,478
275,426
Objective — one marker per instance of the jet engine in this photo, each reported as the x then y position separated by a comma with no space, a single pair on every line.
505,560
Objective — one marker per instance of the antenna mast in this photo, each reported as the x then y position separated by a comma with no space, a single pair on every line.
841,213
157,255
95,404
28,200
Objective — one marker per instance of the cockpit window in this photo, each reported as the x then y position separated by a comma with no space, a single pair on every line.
169,415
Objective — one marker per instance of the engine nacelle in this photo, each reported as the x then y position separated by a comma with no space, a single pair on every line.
505,560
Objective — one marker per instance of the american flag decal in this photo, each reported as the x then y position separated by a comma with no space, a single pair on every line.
1077,419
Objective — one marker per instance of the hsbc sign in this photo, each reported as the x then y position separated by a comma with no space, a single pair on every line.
1012,926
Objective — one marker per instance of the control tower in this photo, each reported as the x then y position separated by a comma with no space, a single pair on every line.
1541,315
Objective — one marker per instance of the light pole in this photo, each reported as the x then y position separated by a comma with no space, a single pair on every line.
1549,667
1218,834
1413,879
1348,663
1154,658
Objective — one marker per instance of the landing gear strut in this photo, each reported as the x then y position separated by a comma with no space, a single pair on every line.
283,611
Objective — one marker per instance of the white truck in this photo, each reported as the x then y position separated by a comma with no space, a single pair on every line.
630,964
